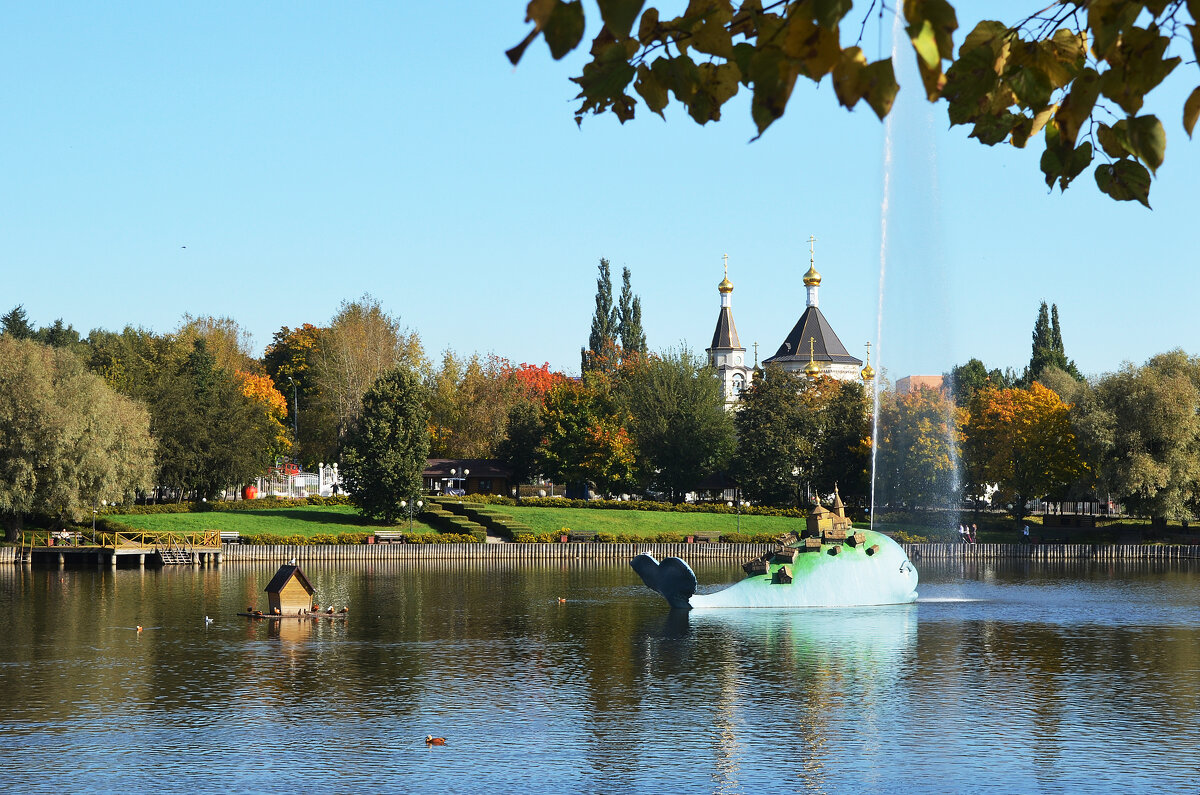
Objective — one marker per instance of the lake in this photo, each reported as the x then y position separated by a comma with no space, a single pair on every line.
1002,678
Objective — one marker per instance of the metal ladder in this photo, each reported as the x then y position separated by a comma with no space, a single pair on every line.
173,555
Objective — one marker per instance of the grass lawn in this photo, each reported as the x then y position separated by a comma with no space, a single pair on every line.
645,523
302,521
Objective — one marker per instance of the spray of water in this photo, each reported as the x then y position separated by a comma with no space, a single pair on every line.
884,216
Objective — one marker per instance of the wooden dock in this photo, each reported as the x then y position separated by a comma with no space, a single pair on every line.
106,549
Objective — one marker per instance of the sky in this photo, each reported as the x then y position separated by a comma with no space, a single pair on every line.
268,161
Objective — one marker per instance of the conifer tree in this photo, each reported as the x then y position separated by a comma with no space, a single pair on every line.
16,324
602,341
629,321
1048,347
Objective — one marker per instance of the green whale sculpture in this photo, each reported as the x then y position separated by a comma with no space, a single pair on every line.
833,569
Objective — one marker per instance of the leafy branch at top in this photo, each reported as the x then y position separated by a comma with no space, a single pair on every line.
1044,74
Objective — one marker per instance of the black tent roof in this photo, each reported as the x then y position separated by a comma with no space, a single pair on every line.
726,335
826,345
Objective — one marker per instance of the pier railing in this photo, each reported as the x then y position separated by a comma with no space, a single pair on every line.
147,539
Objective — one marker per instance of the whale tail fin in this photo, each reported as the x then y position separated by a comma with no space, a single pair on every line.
672,578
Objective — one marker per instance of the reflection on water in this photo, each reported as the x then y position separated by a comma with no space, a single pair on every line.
1002,678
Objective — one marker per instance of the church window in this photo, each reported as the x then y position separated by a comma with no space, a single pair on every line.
738,383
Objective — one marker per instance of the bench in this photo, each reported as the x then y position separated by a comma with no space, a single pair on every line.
231,537
389,537
706,538
581,536
71,539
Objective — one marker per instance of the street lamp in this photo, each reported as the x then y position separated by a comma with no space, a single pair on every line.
410,510
738,503
465,472
103,503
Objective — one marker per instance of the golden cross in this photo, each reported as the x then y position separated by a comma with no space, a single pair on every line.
811,342
726,258
868,351
811,252
756,354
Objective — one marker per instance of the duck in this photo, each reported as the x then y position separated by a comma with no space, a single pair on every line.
329,610
344,610
139,627
562,599
431,740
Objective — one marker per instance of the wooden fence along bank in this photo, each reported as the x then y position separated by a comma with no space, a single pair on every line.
623,552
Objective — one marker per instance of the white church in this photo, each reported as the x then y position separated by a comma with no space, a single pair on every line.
812,347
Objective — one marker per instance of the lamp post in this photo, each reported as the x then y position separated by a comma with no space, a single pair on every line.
738,505
410,509
103,504
453,479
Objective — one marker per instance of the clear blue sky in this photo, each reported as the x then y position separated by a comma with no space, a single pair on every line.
307,153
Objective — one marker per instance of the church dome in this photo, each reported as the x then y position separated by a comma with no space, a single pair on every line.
868,372
811,277
725,286
812,369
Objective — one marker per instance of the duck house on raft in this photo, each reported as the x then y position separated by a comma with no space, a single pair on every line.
289,592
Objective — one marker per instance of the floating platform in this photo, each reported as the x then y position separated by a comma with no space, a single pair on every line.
297,616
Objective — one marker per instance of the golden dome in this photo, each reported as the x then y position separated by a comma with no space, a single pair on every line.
812,369
868,372
811,277
725,286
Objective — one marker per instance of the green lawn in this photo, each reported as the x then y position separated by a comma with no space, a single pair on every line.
302,521
645,523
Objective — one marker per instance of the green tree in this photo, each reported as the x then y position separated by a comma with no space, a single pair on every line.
843,413
629,321
131,362
67,440
965,380
1153,413
16,324
520,449
919,438
387,445
1048,347
211,436
678,421
775,452
601,352
59,335
1065,70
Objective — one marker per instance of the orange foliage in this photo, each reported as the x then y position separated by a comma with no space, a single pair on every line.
262,389
534,381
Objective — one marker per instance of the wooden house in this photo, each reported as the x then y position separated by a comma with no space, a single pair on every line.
289,591
783,575
756,566
785,555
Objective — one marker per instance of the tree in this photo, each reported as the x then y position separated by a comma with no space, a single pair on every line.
291,361
601,352
362,343
67,440
225,340
16,324
965,380
1153,413
469,402
919,438
629,322
1048,347
843,413
520,449
774,438
1022,441
585,436
58,335
211,435
131,362
678,421
1043,72
387,445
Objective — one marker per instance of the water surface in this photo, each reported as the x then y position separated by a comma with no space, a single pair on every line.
1006,678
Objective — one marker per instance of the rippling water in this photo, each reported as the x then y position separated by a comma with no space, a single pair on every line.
1000,679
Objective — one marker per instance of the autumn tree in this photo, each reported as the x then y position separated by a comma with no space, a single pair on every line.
230,345
362,343
678,421
387,445
1078,73
67,440
291,361
1022,441
919,438
469,402
520,449
585,435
